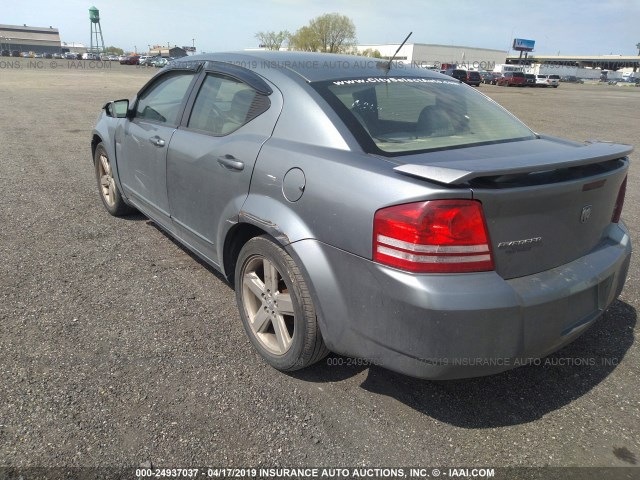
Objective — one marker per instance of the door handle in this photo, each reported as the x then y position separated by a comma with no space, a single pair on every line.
230,162
157,141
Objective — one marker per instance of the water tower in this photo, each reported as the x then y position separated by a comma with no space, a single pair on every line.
97,44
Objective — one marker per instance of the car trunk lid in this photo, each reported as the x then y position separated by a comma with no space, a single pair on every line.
546,202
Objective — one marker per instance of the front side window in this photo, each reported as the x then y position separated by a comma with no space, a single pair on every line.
163,101
396,115
224,104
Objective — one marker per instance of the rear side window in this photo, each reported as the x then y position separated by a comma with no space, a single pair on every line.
406,115
225,104
162,102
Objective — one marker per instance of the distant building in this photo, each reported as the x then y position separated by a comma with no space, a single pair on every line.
165,52
74,47
30,39
592,62
435,56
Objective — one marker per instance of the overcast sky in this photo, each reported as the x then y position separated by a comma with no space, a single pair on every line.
599,27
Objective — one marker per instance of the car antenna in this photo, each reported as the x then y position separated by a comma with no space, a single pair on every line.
394,55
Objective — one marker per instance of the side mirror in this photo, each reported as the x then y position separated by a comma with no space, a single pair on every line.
117,108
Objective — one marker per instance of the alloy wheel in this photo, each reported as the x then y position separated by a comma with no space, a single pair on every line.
107,183
268,305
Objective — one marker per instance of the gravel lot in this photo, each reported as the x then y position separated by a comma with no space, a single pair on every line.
118,347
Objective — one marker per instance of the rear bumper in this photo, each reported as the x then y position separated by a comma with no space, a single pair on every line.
458,326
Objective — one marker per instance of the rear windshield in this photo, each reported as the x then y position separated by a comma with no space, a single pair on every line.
556,77
400,115
474,75
518,75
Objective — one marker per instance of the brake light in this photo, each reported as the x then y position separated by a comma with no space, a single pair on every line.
438,236
615,218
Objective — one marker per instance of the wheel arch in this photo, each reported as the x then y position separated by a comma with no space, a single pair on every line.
95,140
235,239
260,215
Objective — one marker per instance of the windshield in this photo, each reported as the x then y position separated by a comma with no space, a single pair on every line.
396,115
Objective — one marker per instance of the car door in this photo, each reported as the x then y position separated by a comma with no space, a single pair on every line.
143,143
211,156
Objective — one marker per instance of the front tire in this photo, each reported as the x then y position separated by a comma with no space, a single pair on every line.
276,306
109,192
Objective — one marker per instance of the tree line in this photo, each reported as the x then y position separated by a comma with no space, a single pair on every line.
328,33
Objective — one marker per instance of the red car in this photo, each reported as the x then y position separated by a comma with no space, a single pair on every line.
510,79
130,60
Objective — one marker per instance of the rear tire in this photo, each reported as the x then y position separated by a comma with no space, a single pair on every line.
107,187
276,306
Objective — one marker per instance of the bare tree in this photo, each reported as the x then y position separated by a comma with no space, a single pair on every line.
272,40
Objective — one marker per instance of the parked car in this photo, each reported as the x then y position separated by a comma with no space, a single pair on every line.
5,53
473,78
48,55
633,80
511,79
57,56
15,53
541,81
530,80
145,59
484,75
380,214
26,55
90,56
457,73
158,62
493,78
553,80
571,79
129,60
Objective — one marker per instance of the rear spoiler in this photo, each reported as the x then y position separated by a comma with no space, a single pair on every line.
463,170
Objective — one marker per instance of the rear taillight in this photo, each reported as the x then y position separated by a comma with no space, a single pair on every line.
438,236
615,218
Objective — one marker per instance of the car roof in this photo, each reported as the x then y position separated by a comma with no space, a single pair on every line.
313,67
